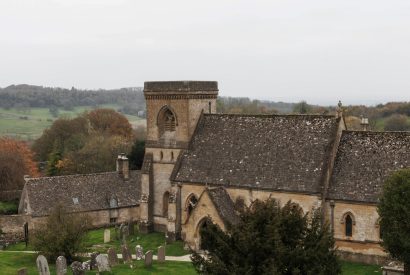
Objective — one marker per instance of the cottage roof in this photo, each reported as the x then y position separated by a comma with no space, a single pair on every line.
276,152
82,192
363,162
224,205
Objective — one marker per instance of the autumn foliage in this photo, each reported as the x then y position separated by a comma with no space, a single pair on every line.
16,160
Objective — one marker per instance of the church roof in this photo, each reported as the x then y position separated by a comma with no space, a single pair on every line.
82,192
224,205
275,152
363,162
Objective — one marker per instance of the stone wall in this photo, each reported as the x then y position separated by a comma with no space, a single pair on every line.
10,195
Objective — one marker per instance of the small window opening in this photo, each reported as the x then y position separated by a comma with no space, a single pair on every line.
210,107
75,200
172,156
113,220
161,155
348,226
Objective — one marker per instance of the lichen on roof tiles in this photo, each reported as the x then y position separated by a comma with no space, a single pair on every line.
276,152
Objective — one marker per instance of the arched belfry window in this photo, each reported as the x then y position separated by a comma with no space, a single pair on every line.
348,226
166,120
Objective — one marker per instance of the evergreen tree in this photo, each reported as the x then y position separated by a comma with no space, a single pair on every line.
394,211
269,240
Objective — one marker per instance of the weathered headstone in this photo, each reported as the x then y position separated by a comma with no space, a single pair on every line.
102,263
93,262
116,229
126,254
112,257
139,252
131,227
86,265
77,268
120,230
22,271
61,265
107,235
42,265
161,254
148,259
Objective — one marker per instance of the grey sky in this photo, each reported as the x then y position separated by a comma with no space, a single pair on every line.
318,50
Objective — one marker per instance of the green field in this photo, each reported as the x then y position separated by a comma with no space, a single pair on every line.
29,125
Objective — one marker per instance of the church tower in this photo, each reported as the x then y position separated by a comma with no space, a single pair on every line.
173,110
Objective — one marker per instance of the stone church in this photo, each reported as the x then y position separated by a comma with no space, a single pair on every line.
199,164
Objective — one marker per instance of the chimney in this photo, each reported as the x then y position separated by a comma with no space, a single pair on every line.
364,123
123,166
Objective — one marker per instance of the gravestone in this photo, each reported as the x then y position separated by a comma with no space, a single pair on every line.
131,227
93,262
139,252
42,265
61,265
161,254
77,268
86,265
116,229
107,235
148,259
120,230
22,271
112,257
126,254
102,263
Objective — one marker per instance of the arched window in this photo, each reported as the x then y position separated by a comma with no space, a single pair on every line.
348,226
165,201
191,203
166,121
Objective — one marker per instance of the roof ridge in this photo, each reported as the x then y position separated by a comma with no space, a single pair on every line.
376,132
79,175
271,115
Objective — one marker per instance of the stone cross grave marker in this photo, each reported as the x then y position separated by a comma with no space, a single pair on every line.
112,257
93,263
77,268
107,235
102,263
139,252
61,265
148,259
22,271
42,265
161,254
126,254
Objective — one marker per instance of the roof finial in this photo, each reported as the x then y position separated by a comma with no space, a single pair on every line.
339,109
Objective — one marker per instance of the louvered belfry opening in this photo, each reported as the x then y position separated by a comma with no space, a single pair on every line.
167,121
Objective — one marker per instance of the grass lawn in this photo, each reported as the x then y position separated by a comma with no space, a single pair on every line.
10,262
30,125
95,242
349,268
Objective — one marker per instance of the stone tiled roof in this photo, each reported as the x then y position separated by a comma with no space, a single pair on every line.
92,191
224,205
276,152
363,162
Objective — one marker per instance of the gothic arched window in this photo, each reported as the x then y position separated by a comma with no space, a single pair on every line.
165,201
348,226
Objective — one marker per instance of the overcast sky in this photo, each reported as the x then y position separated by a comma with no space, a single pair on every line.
283,50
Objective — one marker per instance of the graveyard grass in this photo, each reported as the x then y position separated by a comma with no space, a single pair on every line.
95,242
10,262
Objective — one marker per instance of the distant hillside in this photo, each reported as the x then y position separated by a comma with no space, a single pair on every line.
24,96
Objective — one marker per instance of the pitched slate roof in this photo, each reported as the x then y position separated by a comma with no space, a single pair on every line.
93,191
276,152
363,162
224,205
